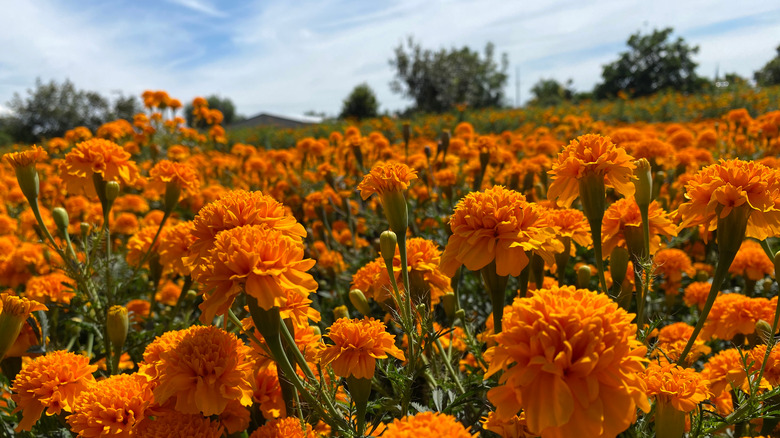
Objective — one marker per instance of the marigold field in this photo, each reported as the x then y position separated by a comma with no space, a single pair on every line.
583,271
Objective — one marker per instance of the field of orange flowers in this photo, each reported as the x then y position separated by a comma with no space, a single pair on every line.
558,278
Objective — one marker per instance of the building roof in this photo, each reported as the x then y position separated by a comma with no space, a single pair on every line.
265,119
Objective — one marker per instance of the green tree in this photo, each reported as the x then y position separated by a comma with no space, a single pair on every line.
437,81
770,73
550,92
51,109
360,104
223,104
652,63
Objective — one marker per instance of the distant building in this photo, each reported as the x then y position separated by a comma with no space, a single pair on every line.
265,119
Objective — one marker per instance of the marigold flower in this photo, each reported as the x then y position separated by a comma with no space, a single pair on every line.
718,189
50,383
266,272
571,223
167,423
97,156
683,388
623,224
499,225
426,424
141,243
751,262
369,280
735,313
237,208
14,311
289,427
55,287
571,360
358,343
724,371
387,177
174,247
181,174
26,158
514,427
672,263
206,369
267,392
152,365
671,341
590,154
696,294
111,407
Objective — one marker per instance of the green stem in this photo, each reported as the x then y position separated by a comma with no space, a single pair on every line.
448,364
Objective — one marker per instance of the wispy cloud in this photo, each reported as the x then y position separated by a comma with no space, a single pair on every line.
200,6
290,57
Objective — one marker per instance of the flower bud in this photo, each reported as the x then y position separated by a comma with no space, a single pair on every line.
117,325
406,132
764,331
388,241
394,203
84,228
449,302
618,265
60,216
172,194
583,277
112,191
358,299
27,177
460,314
445,143
316,330
341,312
643,183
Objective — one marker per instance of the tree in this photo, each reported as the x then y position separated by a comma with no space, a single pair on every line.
51,109
437,81
652,64
360,104
549,92
770,73
223,104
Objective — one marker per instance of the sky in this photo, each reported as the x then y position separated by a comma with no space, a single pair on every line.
289,57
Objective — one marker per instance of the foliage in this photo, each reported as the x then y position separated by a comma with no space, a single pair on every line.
360,104
652,63
769,74
437,81
550,92
52,108
223,104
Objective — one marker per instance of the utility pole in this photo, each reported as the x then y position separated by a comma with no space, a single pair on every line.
517,86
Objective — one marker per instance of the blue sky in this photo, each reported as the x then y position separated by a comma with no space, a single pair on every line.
288,57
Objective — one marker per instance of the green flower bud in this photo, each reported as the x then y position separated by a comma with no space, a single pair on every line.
60,216
388,241
117,326
358,299
643,183
583,277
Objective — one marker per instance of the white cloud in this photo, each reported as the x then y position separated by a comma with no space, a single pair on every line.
289,57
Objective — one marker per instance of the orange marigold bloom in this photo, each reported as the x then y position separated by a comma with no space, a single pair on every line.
735,313
751,262
51,383
571,360
426,279
672,263
358,343
623,216
111,407
497,224
183,175
696,294
514,427
139,244
724,370
572,224
369,279
671,342
152,364
683,388
237,208
267,392
426,424
746,186
289,427
97,156
169,423
207,368
14,312
590,154
26,158
174,247
266,272
55,287
386,177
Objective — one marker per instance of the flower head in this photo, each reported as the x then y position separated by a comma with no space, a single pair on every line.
101,157
289,427
734,314
426,424
263,262
358,343
718,189
623,221
497,224
26,158
55,287
588,155
751,262
51,383
174,247
111,407
672,340
683,388
571,360
204,371
181,174
14,311
167,421
386,177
